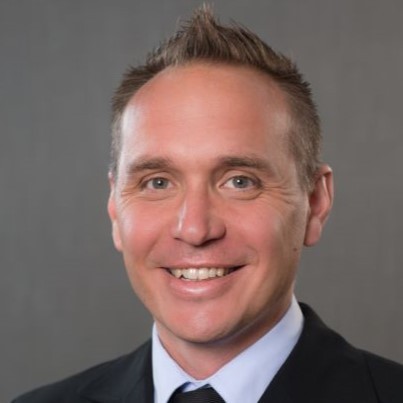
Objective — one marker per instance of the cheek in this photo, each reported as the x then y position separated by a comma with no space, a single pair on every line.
275,235
138,233
142,230
262,229
139,230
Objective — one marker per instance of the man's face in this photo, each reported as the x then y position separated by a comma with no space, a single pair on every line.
206,207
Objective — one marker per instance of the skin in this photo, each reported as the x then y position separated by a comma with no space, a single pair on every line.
205,179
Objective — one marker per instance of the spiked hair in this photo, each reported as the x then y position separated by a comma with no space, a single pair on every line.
204,39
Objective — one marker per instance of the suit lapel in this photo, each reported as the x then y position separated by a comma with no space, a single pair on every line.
127,380
323,367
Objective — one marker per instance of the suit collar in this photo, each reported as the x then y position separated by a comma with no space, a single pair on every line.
128,379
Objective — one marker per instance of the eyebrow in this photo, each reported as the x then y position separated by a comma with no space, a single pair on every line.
253,162
146,163
149,164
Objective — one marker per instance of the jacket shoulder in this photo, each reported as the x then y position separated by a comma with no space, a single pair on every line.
69,389
387,377
64,390
324,367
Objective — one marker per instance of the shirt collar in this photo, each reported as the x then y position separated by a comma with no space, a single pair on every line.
253,369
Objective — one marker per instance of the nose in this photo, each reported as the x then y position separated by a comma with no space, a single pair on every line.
198,221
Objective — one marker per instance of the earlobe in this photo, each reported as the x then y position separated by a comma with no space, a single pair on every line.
113,216
313,231
320,203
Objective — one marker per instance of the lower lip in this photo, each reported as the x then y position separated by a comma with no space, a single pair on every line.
201,289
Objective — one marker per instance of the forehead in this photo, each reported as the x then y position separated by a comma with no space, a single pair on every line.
212,107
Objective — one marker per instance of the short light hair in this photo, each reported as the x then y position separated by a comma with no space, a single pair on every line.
203,38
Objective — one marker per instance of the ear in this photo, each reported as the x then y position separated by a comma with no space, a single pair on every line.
113,214
320,204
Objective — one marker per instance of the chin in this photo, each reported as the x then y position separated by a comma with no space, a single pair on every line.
199,330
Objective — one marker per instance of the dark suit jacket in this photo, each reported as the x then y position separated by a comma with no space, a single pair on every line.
322,368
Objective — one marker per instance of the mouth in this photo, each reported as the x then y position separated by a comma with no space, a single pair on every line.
201,273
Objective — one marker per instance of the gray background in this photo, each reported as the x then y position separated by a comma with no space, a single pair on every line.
65,303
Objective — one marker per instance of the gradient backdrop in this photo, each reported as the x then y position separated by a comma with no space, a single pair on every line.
65,303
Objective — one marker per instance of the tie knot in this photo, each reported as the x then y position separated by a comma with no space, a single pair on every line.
202,395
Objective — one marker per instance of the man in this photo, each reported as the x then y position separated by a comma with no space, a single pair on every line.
216,185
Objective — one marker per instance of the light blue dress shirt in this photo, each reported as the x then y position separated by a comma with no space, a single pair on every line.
245,377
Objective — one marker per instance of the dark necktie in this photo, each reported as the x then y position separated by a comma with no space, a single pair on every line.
202,395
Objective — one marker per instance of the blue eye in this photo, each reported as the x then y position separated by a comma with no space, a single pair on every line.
241,182
157,183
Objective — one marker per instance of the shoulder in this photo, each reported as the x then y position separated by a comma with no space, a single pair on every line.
387,377
73,388
344,372
66,390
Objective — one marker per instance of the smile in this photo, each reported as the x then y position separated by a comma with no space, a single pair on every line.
202,273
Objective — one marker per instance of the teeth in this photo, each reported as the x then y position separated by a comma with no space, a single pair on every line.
202,273
212,272
177,273
191,274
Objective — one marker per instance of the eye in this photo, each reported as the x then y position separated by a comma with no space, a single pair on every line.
157,184
240,182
